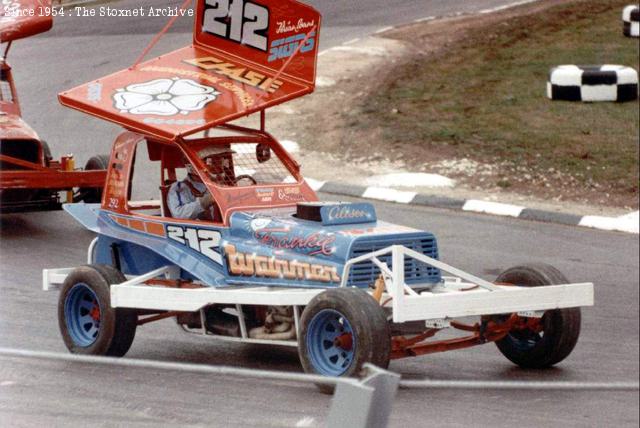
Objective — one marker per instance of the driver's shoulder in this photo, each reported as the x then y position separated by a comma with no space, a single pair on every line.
178,186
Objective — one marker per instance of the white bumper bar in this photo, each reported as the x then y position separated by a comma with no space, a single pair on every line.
454,298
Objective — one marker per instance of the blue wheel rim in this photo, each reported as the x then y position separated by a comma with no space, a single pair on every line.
82,315
331,343
524,340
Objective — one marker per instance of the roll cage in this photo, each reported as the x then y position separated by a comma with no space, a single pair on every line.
227,198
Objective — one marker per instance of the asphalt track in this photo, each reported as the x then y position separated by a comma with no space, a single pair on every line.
37,393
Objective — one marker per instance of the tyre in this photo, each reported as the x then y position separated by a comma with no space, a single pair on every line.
88,323
341,330
93,195
46,152
551,340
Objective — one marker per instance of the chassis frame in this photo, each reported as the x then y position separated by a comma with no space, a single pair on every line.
440,306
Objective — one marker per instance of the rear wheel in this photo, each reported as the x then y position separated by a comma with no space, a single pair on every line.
46,152
547,341
93,195
88,323
341,330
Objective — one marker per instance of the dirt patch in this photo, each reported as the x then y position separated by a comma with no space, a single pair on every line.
432,97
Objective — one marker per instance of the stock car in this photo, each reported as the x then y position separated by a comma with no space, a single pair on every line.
30,179
272,264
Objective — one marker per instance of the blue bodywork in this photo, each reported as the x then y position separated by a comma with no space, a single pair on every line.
273,248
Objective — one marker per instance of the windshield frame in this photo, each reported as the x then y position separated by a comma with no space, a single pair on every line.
251,197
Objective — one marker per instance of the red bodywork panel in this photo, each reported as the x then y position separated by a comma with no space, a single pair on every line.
228,199
266,56
24,18
19,19
9,103
14,128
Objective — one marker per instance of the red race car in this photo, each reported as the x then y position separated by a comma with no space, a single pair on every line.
30,179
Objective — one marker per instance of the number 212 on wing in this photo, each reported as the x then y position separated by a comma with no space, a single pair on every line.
238,20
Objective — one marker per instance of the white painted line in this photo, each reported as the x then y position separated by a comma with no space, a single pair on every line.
323,52
279,109
410,179
307,421
391,195
315,184
383,29
425,19
7,383
352,41
374,50
495,208
627,223
506,6
324,82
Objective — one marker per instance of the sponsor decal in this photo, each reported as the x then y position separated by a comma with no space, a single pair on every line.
115,178
260,223
235,72
265,195
292,194
239,196
94,92
280,238
283,27
164,97
242,264
347,213
286,47
245,98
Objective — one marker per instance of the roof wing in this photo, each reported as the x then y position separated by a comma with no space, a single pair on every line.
24,18
265,56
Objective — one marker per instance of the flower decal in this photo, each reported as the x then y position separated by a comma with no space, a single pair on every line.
164,97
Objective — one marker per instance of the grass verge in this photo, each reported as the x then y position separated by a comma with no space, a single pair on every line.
482,97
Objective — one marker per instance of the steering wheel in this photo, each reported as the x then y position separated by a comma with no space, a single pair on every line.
246,177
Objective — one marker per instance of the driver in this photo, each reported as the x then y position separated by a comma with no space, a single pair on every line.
218,161
190,198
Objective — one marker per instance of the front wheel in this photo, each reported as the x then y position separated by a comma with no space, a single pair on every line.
88,323
341,330
540,343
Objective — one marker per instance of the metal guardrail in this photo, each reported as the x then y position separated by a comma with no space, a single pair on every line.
356,403
522,385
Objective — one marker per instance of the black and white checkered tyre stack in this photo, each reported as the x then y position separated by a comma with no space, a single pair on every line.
590,83
631,21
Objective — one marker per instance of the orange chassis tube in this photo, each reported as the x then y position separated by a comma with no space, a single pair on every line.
36,176
486,331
